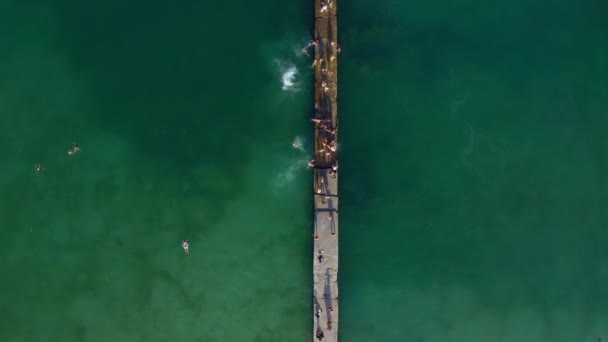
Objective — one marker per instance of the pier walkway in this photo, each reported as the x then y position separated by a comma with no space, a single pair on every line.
325,253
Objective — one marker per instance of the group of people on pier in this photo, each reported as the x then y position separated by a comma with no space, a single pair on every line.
326,126
335,50
327,144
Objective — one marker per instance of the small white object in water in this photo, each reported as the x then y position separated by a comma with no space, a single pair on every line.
297,144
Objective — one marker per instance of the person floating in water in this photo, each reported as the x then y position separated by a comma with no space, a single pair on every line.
186,246
75,149
38,168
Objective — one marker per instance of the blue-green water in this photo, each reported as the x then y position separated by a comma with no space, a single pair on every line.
473,190
473,162
185,133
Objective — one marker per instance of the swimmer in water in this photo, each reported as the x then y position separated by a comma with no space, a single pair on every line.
186,246
38,168
75,149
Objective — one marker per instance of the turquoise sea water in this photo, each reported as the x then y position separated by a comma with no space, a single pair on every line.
473,162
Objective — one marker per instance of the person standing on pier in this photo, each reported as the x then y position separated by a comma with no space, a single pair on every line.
319,334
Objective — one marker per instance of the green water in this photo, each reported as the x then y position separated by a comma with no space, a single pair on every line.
185,133
473,190
473,162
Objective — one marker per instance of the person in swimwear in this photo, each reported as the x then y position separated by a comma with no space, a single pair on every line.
75,149
186,246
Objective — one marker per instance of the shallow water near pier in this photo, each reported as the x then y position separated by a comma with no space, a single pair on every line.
185,122
473,186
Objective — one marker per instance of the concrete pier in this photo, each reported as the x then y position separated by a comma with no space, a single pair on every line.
325,253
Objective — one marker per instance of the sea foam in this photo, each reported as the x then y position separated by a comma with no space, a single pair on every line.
288,77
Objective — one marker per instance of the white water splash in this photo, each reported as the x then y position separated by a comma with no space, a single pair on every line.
288,175
298,144
288,78
288,72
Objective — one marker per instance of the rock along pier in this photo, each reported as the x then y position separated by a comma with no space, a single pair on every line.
325,253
